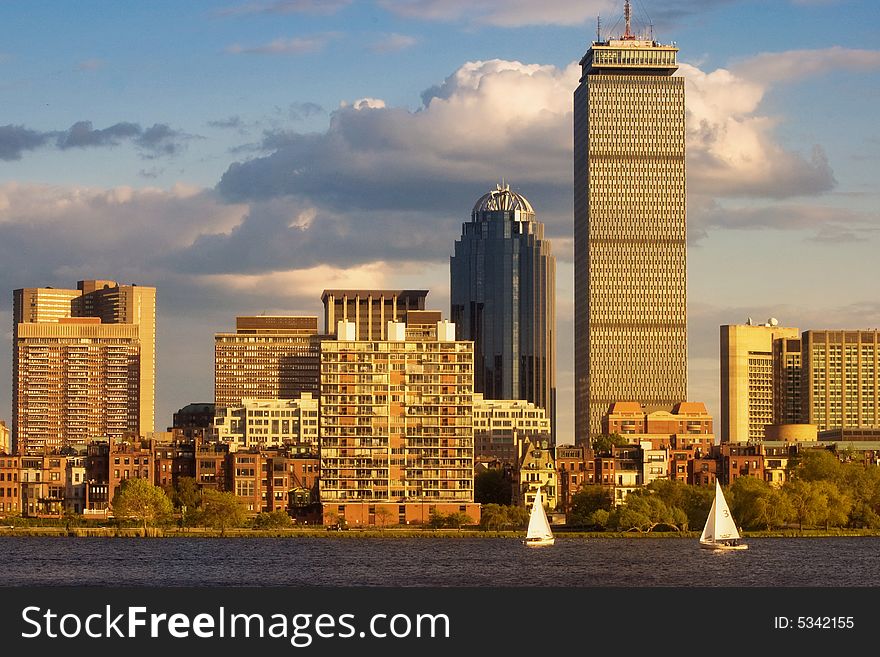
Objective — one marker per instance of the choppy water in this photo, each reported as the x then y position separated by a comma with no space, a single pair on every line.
576,562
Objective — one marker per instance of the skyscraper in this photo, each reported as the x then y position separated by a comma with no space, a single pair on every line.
841,379
84,364
629,226
503,297
747,378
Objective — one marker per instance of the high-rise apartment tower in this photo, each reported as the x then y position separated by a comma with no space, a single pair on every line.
84,363
503,298
629,226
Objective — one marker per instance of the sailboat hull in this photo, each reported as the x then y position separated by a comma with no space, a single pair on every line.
712,545
539,542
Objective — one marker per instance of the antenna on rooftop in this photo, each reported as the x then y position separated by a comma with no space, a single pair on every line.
598,29
627,14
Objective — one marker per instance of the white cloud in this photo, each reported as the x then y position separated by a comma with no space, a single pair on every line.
286,7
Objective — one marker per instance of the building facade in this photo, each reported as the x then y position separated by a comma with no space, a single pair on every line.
747,378
630,245
787,375
397,422
841,379
503,298
268,357
76,380
369,310
38,316
502,425
262,423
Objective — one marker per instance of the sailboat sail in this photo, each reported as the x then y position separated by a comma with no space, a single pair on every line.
539,527
719,525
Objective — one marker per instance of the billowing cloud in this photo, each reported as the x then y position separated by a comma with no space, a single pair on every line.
393,43
292,46
121,230
731,146
413,171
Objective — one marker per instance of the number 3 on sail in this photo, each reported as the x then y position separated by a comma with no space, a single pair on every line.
720,532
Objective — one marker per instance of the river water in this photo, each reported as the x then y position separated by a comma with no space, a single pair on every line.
437,562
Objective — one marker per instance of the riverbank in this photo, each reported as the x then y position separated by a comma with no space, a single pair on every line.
302,532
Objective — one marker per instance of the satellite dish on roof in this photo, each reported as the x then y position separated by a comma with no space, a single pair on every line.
773,321
749,322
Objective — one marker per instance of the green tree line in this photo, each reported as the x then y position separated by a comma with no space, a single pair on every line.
820,491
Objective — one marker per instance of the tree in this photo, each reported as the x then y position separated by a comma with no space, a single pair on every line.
457,520
187,497
492,487
493,517
436,520
141,500
590,498
603,443
807,502
837,504
273,520
383,517
221,510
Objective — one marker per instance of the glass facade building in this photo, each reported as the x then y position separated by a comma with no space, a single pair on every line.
503,298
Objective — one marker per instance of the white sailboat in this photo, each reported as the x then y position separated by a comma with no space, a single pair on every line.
539,533
720,532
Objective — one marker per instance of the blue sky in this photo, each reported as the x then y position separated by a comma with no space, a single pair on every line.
214,149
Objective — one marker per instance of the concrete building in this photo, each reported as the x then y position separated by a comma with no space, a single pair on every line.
369,310
397,424
268,357
630,247
106,318
787,375
841,379
503,298
263,423
76,380
747,381
501,426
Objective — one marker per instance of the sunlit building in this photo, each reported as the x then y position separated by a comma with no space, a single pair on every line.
262,423
84,363
397,425
630,247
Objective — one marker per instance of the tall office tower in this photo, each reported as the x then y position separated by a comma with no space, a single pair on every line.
110,304
396,419
787,372
503,298
629,227
841,379
268,357
370,310
747,381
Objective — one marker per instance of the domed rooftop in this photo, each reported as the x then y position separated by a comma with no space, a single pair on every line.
502,199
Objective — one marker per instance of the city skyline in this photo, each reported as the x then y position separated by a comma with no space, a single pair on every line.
164,189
